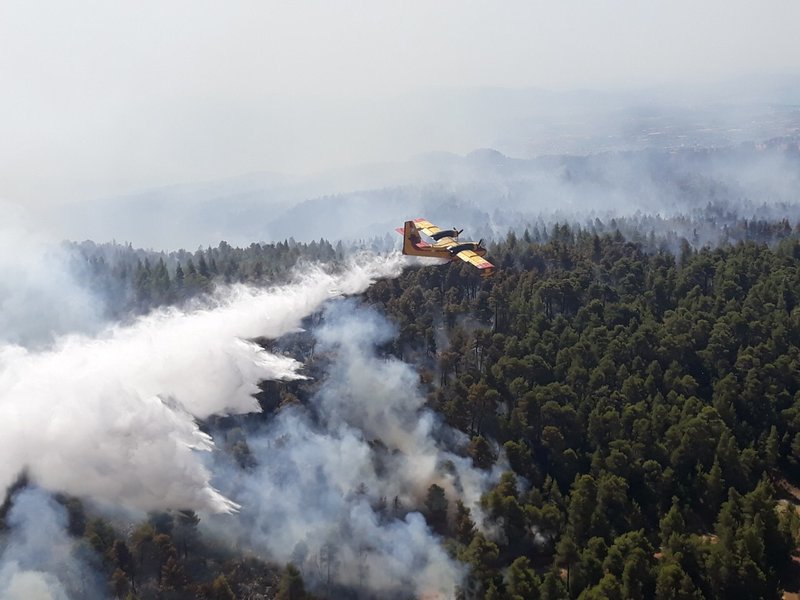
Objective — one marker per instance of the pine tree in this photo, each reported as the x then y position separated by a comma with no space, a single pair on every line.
291,585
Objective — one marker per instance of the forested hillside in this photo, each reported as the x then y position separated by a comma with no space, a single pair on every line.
134,280
647,405
642,404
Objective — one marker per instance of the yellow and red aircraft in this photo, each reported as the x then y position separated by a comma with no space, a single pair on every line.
445,245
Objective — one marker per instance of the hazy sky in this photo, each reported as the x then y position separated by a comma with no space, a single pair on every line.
107,96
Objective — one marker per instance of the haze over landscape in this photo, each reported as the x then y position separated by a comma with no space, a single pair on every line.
110,100
220,378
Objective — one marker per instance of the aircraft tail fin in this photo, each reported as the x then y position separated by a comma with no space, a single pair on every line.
412,241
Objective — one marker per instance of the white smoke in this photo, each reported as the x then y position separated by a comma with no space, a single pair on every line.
112,417
38,560
337,488
40,296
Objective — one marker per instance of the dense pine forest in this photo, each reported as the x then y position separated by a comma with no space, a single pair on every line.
646,404
134,281
641,397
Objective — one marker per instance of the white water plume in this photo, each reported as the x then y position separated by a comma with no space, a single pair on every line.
112,417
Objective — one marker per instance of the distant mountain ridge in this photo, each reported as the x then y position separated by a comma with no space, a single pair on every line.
484,190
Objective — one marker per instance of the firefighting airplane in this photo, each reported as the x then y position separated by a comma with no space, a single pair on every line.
445,245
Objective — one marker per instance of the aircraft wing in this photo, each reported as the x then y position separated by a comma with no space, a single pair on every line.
426,227
477,261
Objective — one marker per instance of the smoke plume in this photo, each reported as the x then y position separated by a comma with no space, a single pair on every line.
39,561
40,295
338,487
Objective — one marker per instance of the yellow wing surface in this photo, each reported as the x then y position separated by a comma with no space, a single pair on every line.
426,227
477,261
431,230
